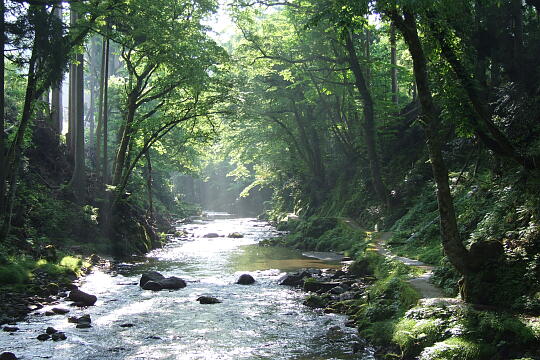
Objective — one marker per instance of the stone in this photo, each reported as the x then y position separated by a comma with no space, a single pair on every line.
346,258
235,235
245,279
53,288
208,300
59,311
10,328
94,259
338,274
83,325
127,325
85,319
81,297
152,285
150,276
49,313
321,286
337,290
349,295
59,336
50,330
155,281
172,283
7,356
211,235
296,279
43,337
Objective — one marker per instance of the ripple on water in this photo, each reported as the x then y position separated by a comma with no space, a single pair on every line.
260,321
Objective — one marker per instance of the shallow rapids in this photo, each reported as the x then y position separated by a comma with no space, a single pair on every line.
260,321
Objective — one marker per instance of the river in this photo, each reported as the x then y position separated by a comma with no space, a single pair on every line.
260,321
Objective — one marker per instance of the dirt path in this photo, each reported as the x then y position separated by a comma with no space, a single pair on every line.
421,283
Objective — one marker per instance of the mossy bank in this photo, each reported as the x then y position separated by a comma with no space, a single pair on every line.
393,316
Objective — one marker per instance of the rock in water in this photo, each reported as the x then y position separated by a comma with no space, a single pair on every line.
235,235
150,276
10,328
323,286
81,297
59,336
172,283
211,235
43,337
60,311
7,356
208,300
50,330
152,285
155,281
296,279
245,279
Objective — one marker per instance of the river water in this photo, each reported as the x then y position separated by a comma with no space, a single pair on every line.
259,321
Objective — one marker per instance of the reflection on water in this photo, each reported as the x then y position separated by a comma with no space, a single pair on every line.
253,257
260,321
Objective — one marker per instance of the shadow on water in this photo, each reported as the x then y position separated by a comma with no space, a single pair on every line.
259,321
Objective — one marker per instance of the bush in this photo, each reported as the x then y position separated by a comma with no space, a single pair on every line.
13,274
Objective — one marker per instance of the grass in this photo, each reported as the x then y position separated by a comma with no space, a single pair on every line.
21,270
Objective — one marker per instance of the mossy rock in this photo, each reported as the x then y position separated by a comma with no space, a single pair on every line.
458,348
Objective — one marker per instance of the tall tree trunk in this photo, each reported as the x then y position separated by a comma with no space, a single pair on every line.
149,184
105,173
78,177
90,115
99,129
393,64
451,240
369,120
3,167
56,94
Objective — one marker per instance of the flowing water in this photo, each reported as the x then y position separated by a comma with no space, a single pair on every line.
259,321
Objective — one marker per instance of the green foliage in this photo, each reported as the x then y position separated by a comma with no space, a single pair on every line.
14,273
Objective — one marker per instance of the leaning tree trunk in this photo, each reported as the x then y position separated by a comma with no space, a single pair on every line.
393,64
451,241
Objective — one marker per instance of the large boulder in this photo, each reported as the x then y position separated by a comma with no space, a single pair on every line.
150,276
152,285
7,356
245,279
82,298
155,281
172,283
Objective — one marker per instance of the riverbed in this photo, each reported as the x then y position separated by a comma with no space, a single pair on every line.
260,321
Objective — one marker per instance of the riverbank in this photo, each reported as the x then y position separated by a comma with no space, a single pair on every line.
393,315
29,285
